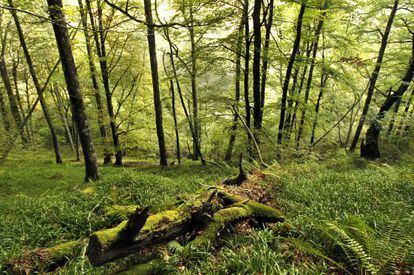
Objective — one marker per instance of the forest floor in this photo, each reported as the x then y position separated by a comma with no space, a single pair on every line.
346,214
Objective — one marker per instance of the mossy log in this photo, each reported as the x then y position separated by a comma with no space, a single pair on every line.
238,210
110,244
46,259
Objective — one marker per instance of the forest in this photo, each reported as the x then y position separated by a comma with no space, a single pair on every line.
207,137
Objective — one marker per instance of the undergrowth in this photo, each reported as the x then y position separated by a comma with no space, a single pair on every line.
346,215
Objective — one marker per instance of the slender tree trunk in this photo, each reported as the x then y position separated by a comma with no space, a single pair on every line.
99,37
36,83
374,76
4,114
94,78
257,34
407,126
406,109
62,115
311,69
18,98
194,91
233,129
7,85
177,82
268,26
155,84
370,148
324,80
177,136
290,101
394,117
72,83
246,77
297,96
289,69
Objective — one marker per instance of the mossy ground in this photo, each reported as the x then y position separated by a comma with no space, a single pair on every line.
42,204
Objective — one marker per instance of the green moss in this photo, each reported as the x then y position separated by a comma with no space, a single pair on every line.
220,218
120,211
157,220
109,236
264,212
66,249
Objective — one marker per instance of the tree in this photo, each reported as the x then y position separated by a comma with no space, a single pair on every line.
311,70
6,81
289,69
94,78
155,83
257,42
369,147
374,76
39,89
71,77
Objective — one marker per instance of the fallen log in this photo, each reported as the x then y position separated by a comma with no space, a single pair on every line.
46,259
107,245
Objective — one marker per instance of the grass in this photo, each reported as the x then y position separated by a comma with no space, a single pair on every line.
345,214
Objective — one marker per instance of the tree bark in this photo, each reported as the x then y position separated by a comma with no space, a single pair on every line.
257,42
4,114
95,85
246,76
155,83
266,45
72,83
324,79
374,76
36,82
370,148
289,69
194,91
177,136
311,69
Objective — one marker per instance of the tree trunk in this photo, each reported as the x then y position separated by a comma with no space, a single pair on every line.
289,69
62,115
36,82
257,112
292,122
97,92
99,37
406,109
374,76
72,83
370,148
246,76
324,79
177,136
233,129
194,92
394,117
268,26
4,114
177,82
311,69
155,84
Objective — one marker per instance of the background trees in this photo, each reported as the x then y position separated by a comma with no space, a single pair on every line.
292,73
